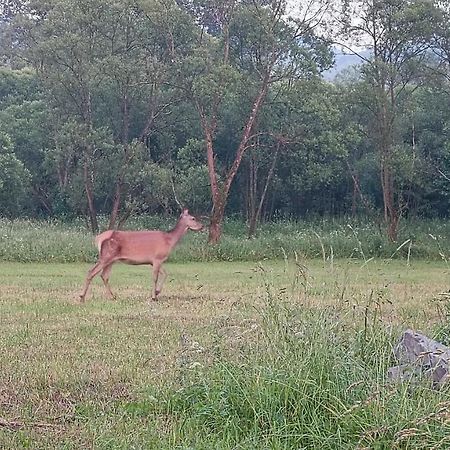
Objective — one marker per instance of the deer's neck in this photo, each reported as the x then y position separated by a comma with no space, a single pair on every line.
177,233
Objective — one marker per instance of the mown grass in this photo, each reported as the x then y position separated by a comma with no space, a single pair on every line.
287,354
56,241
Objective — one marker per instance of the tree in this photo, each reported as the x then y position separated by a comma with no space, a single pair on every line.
105,65
9,9
398,34
427,127
14,179
66,45
147,41
256,45
25,118
441,41
312,165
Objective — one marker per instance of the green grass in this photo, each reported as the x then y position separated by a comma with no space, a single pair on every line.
234,356
56,241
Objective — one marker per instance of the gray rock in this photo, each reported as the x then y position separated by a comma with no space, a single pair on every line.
418,355
404,372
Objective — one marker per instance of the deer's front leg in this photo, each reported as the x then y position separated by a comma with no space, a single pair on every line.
161,278
156,269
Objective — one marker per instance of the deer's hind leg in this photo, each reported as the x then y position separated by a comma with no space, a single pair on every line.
108,255
106,272
91,274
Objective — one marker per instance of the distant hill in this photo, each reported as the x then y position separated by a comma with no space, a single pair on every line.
344,61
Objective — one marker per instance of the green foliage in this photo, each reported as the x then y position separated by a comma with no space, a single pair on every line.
191,155
156,183
14,179
193,188
112,92
17,86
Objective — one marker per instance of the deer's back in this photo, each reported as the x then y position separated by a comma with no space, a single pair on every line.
141,247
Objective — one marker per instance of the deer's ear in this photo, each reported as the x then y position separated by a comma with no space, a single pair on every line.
185,212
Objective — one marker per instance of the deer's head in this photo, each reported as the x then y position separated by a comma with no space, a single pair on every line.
190,221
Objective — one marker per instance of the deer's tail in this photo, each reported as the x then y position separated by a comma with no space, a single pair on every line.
102,237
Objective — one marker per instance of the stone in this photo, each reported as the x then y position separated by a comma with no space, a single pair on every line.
418,356
403,372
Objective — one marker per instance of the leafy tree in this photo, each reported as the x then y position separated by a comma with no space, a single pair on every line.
313,166
255,44
66,44
14,179
191,176
9,9
105,64
441,41
398,34
127,107
25,117
148,41
427,129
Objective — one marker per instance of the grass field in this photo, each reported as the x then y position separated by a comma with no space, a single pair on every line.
57,241
234,355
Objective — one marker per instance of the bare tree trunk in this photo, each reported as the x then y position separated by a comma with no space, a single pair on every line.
391,213
357,192
390,210
252,188
354,197
243,145
126,215
118,194
257,215
88,172
88,186
116,203
120,179
220,198
43,199
215,225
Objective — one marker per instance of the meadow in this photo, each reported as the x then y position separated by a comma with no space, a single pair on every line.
281,353
60,241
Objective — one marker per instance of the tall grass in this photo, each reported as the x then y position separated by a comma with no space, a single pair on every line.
306,380
292,363
58,241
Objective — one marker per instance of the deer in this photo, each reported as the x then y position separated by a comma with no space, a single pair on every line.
150,247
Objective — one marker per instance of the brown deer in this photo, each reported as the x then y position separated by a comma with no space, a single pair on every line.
137,248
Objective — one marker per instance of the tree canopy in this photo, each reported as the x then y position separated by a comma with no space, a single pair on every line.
121,107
